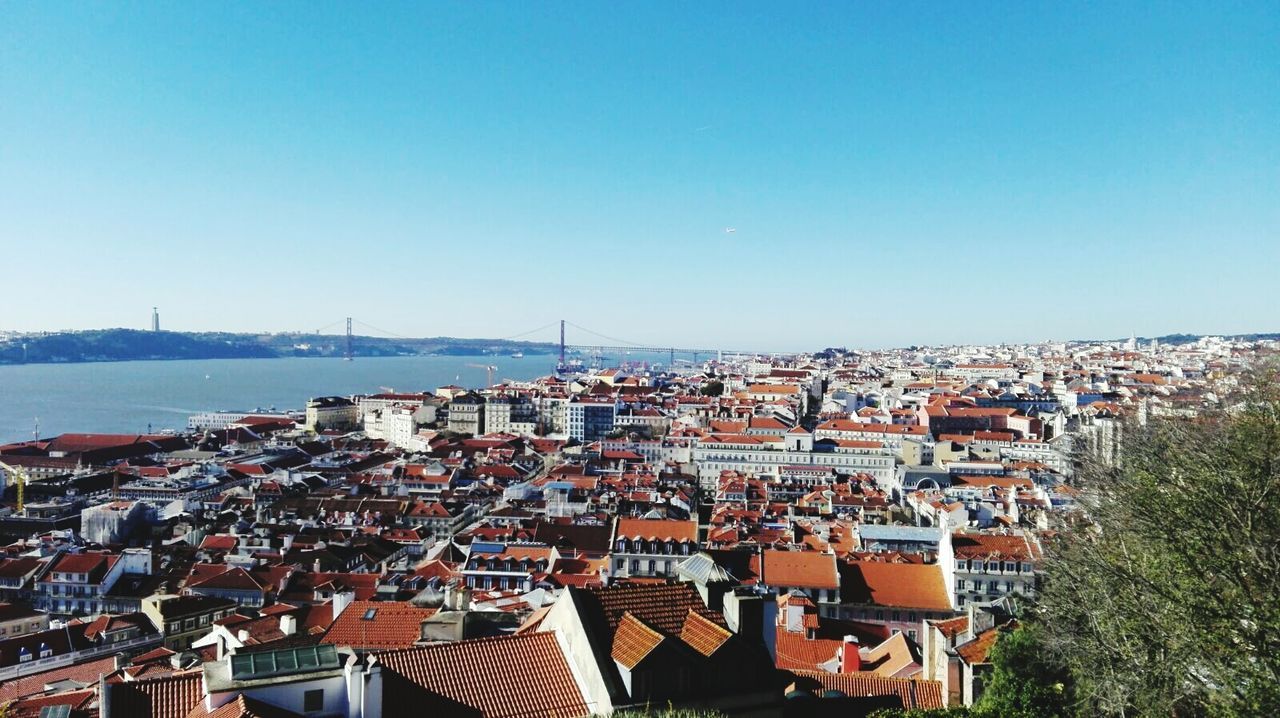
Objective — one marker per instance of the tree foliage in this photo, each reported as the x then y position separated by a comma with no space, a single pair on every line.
1025,680
1168,602
715,387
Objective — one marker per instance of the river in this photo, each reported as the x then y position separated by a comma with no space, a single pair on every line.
129,397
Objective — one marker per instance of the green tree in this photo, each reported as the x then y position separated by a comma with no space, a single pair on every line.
1166,602
1025,680
715,387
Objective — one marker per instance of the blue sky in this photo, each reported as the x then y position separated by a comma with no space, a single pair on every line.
896,172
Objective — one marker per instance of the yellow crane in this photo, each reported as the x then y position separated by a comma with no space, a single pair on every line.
20,478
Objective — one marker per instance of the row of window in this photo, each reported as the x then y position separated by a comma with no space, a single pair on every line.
977,566
880,614
980,587
17,629
507,565
73,590
191,623
646,568
59,576
498,582
662,547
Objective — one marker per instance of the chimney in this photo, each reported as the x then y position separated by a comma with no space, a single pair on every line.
342,599
242,636
850,661
288,625
104,695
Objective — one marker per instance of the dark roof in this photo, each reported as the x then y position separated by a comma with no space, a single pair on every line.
594,539
171,696
665,608
187,605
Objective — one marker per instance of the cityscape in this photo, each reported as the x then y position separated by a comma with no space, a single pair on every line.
853,527
653,360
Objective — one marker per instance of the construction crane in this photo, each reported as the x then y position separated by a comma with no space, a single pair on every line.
20,478
489,369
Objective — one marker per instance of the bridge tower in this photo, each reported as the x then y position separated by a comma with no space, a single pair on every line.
561,342
348,356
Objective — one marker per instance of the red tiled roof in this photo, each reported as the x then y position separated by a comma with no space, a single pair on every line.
799,569
1016,547
79,563
663,607
976,651
914,694
35,682
793,651
504,677
953,626
389,625
171,696
78,701
703,635
657,529
633,641
905,585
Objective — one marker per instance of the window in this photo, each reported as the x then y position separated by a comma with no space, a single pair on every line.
912,635
962,565
313,700
1010,566
977,566
960,584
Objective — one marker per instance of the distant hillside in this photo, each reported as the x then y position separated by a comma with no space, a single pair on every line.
132,344
1178,339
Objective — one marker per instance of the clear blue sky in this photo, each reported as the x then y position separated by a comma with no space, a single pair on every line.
896,172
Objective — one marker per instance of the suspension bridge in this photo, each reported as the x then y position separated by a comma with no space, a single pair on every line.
597,342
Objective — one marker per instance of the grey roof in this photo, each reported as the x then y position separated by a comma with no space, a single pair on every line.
899,533
287,661
701,568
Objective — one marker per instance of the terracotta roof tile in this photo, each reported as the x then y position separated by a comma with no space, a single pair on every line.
657,529
793,651
35,682
703,635
172,696
378,625
905,585
662,607
799,569
914,694
503,677
633,641
976,651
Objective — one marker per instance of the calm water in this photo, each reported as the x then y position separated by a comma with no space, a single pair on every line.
127,396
